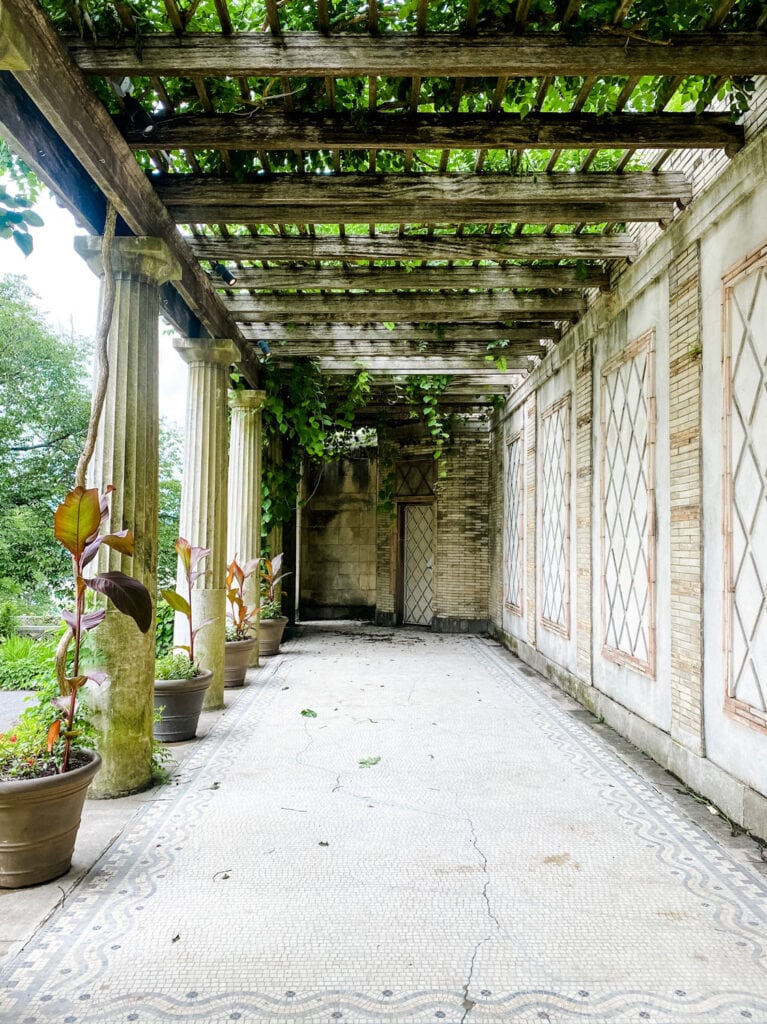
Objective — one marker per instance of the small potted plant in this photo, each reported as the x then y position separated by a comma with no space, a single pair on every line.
46,765
180,684
271,621
243,620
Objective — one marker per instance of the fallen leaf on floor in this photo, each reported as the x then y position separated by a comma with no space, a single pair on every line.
323,843
308,713
175,938
368,762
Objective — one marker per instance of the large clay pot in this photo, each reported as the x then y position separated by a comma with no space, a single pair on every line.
181,700
237,655
270,635
39,819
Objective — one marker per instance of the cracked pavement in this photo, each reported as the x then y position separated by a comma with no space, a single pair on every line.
446,840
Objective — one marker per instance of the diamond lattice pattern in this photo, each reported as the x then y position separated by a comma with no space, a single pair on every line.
511,527
626,509
554,516
748,482
414,478
419,539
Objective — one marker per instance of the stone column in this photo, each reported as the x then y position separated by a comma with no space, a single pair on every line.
127,456
244,534
204,498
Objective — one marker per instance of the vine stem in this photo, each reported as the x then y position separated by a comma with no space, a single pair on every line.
97,407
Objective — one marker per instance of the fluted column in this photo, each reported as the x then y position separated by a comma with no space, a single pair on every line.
127,456
244,535
204,497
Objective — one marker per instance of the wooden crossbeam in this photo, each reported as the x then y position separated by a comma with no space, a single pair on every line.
392,308
457,352
421,278
364,190
440,55
389,211
452,334
271,130
387,198
496,248
383,366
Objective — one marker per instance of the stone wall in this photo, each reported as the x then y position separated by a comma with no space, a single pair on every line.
667,374
338,540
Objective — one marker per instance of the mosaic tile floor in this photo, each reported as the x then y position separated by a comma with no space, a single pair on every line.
499,863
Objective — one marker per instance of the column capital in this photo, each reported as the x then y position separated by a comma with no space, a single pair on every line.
247,400
218,351
132,256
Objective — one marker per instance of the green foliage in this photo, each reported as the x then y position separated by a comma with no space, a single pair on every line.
16,213
9,619
164,632
175,666
423,394
25,663
24,750
313,420
45,408
171,446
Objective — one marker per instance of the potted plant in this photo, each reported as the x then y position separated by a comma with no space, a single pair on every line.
243,619
46,765
271,621
180,684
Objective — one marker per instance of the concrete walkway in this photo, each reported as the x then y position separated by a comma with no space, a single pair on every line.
449,839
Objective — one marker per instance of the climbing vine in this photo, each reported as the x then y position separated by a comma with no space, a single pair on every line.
16,215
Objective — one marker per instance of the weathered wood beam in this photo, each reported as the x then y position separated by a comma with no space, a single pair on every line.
454,334
364,190
496,248
276,131
391,198
421,278
382,366
440,55
393,308
78,117
461,353
456,212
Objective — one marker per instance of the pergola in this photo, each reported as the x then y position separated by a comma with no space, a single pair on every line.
394,187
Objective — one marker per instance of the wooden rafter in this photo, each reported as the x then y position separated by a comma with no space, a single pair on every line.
305,54
463,333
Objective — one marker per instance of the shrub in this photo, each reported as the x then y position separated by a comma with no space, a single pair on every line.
25,663
9,620
164,634
175,666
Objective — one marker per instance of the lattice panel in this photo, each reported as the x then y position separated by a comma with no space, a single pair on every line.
555,515
626,507
414,478
512,532
747,470
419,561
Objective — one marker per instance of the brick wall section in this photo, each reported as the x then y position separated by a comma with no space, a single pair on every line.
686,497
463,519
584,394
497,510
338,540
531,411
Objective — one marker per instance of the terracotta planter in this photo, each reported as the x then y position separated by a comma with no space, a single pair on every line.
39,819
236,660
181,700
270,635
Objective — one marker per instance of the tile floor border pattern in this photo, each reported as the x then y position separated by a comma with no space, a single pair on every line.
136,865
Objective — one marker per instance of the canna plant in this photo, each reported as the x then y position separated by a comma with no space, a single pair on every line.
271,577
190,559
243,616
76,525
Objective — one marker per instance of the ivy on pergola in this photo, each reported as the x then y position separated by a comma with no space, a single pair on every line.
403,185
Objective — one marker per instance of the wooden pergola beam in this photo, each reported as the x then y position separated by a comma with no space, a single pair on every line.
389,211
363,191
78,117
496,248
438,55
269,130
453,334
383,366
393,308
421,278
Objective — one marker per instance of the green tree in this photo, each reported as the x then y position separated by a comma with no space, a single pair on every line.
171,448
44,406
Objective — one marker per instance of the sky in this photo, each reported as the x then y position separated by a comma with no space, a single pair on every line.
69,294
